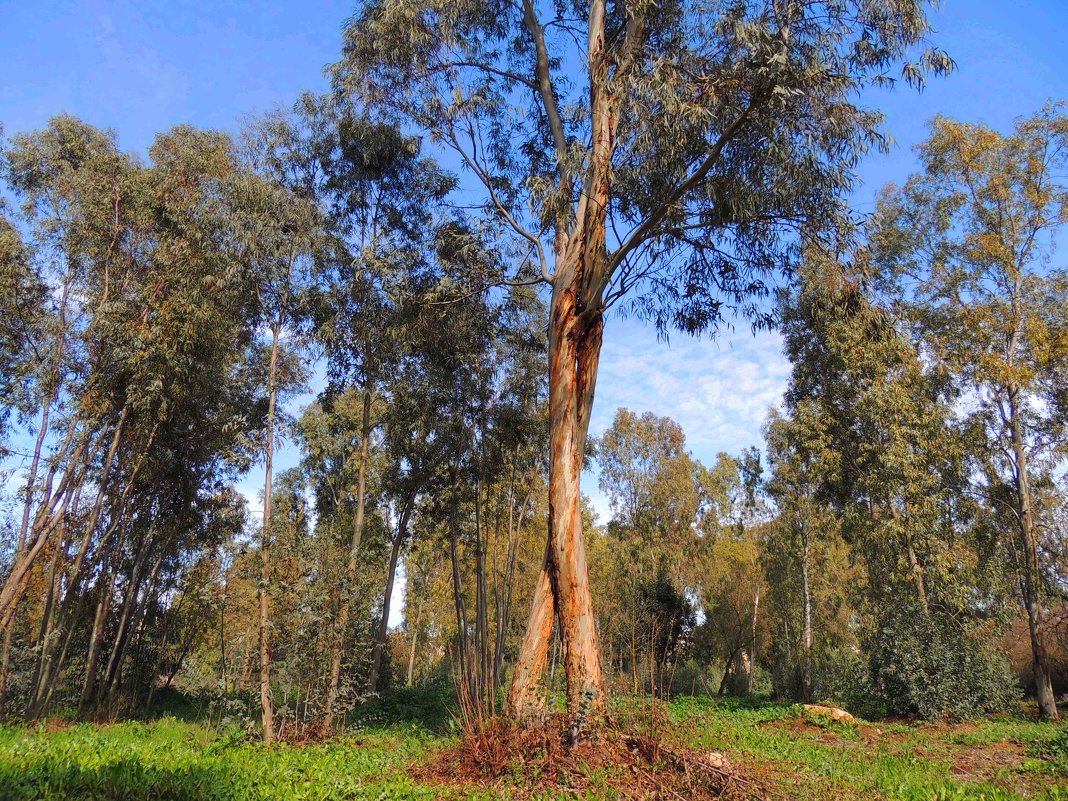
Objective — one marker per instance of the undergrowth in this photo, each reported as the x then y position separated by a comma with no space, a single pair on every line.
404,746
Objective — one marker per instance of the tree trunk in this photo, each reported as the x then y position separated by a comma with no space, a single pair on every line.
753,642
726,675
916,569
459,606
806,637
106,589
1032,577
563,588
524,696
415,637
391,574
574,350
576,322
130,623
266,697
484,667
354,552
505,611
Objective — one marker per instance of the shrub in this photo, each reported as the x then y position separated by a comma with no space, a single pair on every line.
841,677
935,666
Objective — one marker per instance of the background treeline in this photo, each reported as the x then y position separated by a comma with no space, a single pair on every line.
897,544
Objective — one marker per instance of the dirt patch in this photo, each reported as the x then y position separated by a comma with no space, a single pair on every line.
807,729
983,762
55,724
532,760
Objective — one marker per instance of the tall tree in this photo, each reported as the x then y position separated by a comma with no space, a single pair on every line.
968,243
697,143
278,233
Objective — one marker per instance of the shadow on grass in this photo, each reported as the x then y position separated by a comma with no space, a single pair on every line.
124,780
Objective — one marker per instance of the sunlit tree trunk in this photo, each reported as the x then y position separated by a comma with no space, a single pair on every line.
415,639
524,695
574,350
505,611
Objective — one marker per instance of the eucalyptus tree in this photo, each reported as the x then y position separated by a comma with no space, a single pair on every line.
805,523
680,164
871,438
657,497
66,178
968,242
278,225
378,193
137,364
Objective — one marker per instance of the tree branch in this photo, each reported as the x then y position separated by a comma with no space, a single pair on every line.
648,228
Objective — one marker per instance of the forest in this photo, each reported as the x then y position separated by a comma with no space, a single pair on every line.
405,280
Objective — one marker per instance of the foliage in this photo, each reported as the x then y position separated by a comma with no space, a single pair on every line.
937,668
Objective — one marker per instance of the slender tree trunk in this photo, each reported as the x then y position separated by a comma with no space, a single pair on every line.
391,575
726,675
131,622
72,596
222,642
506,608
106,588
916,569
806,637
1032,576
415,638
459,606
753,643
266,696
44,635
5,667
481,608
353,563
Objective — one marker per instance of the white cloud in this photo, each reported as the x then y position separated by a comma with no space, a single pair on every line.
719,391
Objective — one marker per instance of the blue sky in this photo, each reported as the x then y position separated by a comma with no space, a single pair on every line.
141,67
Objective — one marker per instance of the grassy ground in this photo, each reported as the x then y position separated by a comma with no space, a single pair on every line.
784,755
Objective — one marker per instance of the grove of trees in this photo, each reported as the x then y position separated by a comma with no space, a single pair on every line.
896,544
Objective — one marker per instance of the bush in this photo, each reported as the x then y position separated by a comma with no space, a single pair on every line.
936,667
841,677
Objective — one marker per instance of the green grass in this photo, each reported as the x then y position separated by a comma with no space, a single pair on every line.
1006,759
181,761
990,760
